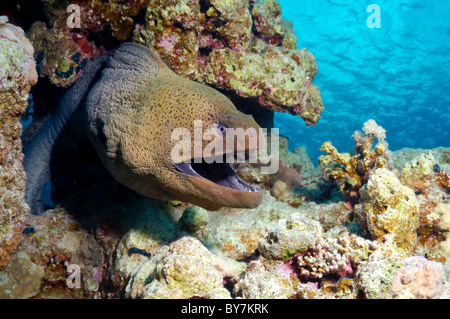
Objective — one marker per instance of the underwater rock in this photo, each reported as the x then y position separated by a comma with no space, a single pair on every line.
310,274
236,232
423,174
419,278
213,42
17,75
194,219
21,279
183,269
404,155
150,229
270,25
96,16
58,244
443,211
329,215
339,254
374,276
430,180
389,209
61,54
290,237
285,180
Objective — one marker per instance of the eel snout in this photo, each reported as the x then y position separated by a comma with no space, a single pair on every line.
218,177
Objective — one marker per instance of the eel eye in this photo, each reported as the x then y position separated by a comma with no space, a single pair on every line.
222,129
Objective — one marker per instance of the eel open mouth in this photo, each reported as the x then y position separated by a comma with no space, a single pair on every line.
219,173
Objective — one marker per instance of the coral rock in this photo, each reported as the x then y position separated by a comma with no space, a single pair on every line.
17,75
290,237
243,47
418,279
61,54
443,211
55,242
21,279
266,279
389,208
184,269
430,180
374,276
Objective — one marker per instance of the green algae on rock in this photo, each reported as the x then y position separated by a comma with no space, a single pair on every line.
17,75
194,219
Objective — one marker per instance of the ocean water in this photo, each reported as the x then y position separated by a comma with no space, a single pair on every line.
398,74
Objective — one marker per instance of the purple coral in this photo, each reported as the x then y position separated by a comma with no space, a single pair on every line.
168,42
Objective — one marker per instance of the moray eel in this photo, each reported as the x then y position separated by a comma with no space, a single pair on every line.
130,103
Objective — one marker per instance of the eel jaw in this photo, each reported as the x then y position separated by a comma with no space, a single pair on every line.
220,174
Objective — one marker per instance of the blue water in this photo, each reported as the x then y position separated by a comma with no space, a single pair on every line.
398,74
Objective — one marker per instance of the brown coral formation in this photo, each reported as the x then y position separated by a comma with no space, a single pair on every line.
351,172
17,75
284,181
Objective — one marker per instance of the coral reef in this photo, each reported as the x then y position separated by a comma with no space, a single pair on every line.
184,269
96,16
430,180
290,237
334,255
312,271
17,75
213,42
389,210
244,47
265,279
54,242
375,275
236,232
307,239
351,171
21,279
61,54
418,279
